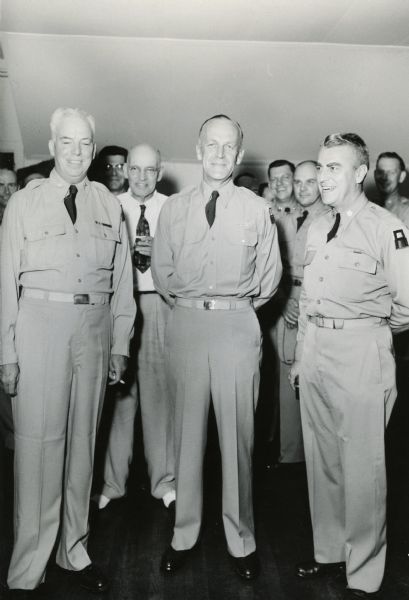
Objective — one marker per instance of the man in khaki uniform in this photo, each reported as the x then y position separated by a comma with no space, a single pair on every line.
215,256
390,173
353,294
295,228
142,204
65,243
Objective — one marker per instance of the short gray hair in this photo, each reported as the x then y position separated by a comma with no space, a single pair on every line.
349,139
59,114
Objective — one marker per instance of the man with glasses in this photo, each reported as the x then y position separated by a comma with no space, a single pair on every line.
111,162
145,379
8,185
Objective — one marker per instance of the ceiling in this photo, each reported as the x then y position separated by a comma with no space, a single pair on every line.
290,71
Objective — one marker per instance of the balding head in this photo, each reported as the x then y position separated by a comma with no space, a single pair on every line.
144,170
8,185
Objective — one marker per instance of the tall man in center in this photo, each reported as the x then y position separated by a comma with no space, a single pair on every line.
215,259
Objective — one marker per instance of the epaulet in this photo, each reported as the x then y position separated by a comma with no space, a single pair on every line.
35,183
182,193
100,186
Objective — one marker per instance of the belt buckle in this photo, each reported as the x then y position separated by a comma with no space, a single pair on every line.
209,304
81,298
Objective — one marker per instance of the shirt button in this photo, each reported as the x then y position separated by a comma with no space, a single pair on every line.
326,257
78,255
321,279
76,230
357,264
212,262
213,238
46,232
318,301
79,280
105,234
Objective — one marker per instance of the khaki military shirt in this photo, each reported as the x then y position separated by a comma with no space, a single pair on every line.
238,257
42,249
362,272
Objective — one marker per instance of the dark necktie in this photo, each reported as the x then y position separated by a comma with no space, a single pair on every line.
211,208
142,262
69,202
300,220
333,232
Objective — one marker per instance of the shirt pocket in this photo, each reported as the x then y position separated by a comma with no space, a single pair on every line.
239,257
355,276
103,241
189,248
45,246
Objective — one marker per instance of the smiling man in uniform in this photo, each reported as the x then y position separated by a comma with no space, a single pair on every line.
215,258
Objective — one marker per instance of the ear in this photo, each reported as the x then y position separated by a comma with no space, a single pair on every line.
402,177
240,156
360,173
199,153
160,173
51,147
94,150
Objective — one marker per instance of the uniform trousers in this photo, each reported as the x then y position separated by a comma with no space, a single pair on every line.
347,385
147,369
214,353
291,440
63,354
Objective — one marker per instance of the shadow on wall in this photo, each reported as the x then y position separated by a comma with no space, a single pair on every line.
168,186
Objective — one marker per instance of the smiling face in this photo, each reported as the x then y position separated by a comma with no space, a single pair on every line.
144,171
306,190
114,175
339,175
281,182
219,149
73,148
8,185
388,175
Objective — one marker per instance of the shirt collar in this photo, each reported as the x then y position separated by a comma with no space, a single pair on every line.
225,192
353,210
60,183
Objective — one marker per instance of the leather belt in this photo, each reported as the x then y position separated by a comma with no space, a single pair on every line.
347,323
214,304
98,298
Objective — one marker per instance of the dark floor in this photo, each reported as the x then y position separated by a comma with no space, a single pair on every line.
128,538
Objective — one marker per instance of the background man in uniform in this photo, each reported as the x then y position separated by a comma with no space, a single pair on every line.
65,243
112,165
141,205
215,253
353,294
295,227
390,173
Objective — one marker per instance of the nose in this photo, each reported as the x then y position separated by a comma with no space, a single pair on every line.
76,147
220,151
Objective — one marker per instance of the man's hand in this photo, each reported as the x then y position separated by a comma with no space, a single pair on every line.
117,367
143,245
290,313
294,374
9,377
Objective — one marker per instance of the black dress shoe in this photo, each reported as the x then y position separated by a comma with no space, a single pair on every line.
92,579
312,568
354,593
172,560
247,567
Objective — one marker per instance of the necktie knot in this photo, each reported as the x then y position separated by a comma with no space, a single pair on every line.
143,208
73,190
300,220
210,209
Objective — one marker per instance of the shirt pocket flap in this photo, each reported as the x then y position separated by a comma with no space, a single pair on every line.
105,232
45,231
242,236
358,261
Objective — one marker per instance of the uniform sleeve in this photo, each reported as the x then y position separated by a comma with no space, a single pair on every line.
396,268
122,303
162,265
12,244
268,261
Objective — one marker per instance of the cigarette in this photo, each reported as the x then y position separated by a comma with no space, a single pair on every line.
122,381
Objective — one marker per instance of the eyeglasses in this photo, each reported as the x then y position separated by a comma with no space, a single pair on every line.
11,187
282,179
110,167
149,171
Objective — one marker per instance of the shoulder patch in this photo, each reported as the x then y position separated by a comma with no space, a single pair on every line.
271,211
400,239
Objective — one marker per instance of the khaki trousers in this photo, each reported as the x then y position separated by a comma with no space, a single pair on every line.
214,353
347,386
63,354
147,369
